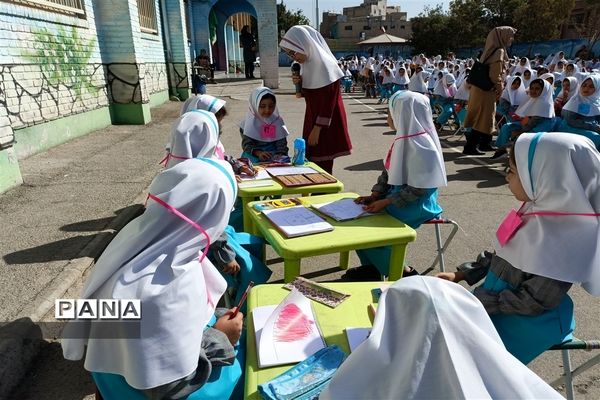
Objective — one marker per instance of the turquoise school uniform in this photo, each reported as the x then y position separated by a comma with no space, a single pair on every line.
225,382
413,214
249,255
526,337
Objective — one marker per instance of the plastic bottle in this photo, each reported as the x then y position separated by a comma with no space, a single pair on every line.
299,151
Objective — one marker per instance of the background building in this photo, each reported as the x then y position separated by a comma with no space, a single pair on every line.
364,22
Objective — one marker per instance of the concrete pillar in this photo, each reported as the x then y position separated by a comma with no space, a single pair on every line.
180,56
266,15
10,173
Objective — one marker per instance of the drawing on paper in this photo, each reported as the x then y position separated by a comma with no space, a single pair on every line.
292,324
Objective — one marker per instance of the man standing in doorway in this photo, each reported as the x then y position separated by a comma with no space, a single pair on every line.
248,43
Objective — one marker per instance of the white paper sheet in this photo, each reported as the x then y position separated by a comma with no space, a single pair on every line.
252,184
261,174
356,336
278,171
286,333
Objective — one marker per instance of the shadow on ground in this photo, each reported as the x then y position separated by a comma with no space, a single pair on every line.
375,165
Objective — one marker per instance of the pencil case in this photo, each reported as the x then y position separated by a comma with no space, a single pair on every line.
306,379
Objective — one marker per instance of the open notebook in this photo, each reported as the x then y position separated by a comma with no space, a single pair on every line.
297,221
342,210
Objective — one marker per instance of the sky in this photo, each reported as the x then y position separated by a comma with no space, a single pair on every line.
412,7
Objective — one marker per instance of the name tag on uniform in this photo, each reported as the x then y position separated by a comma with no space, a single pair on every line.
268,132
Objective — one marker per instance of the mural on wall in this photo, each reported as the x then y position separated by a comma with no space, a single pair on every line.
134,83
58,81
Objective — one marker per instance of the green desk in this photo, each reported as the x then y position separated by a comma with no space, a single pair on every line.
332,321
362,233
277,189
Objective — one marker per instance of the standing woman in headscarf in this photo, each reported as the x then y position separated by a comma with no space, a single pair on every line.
248,43
325,126
482,104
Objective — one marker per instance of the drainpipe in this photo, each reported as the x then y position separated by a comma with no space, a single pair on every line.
167,44
192,30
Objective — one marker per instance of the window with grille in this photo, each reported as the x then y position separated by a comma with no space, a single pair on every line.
66,6
147,14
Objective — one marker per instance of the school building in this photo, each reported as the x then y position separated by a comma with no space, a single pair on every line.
69,67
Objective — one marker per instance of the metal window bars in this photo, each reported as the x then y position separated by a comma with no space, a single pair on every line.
147,15
69,6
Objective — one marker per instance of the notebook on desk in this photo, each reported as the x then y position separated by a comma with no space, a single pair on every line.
297,221
342,210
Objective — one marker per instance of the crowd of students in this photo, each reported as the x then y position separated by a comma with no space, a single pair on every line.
544,94
184,252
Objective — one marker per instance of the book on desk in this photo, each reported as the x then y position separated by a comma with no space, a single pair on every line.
297,221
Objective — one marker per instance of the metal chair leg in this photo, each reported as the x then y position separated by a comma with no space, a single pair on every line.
440,251
568,375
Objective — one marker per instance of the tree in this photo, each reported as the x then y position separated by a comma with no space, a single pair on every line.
541,19
468,23
432,32
588,25
286,18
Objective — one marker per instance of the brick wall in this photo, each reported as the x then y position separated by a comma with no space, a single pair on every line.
50,66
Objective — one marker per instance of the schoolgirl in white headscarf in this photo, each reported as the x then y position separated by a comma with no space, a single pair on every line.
541,106
521,66
414,168
581,114
195,134
513,97
568,89
160,259
401,78
450,350
211,104
323,68
262,133
325,128
528,76
537,113
417,82
550,243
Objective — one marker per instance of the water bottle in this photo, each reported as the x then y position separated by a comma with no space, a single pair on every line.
299,151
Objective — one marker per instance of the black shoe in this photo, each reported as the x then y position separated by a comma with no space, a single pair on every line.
409,271
362,274
487,147
499,154
472,151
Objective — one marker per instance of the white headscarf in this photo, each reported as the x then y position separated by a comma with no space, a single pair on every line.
416,156
320,68
573,89
542,106
463,91
254,123
203,102
533,76
212,104
521,68
417,83
195,134
445,87
588,106
401,79
514,97
155,258
387,78
443,346
548,75
559,174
